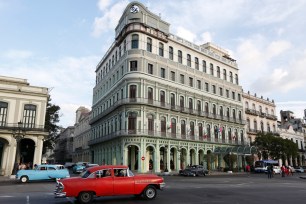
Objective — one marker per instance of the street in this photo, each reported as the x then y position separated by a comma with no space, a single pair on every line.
180,190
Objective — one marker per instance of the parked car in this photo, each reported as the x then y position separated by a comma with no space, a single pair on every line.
299,169
109,180
276,170
194,170
79,167
69,165
43,172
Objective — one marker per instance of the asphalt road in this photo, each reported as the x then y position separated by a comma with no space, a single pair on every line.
227,189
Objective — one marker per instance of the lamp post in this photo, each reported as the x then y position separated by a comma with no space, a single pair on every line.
18,134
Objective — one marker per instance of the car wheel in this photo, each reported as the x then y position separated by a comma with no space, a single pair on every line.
149,193
24,179
85,197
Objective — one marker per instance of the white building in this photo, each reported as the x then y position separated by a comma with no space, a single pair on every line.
22,116
161,102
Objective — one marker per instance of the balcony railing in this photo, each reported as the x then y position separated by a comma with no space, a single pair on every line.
168,106
159,134
25,126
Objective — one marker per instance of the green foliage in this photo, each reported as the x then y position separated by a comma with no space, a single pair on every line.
270,146
249,159
230,159
51,120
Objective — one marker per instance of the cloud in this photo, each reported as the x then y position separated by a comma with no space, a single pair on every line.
185,33
17,54
297,107
110,17
69,79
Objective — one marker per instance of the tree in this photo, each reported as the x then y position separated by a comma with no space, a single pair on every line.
230,159
51,120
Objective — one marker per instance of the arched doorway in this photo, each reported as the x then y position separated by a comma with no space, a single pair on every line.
201,157
173,159
27,149
192,160
183,158
132,155
163,158
151,159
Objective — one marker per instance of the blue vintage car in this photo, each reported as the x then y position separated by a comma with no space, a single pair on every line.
43,172
79,167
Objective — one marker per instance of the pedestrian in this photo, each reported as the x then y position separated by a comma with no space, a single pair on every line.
248,169
269,170
283,169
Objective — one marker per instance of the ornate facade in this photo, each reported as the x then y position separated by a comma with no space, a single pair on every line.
22,121
161,103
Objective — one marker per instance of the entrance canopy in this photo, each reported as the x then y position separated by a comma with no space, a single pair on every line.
242,150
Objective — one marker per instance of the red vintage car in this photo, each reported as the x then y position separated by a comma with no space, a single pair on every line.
109,180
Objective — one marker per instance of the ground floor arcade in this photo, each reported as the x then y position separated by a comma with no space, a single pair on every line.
144,154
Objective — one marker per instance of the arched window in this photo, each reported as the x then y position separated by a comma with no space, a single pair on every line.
29,115
216,132
180,56
221,111
234,114
248,125
171,53
204,66
191,128
149,44
172,100
218,72
261,126
163,125
231,76
211,69
200,127
241,136
229,134
208,132
133,90
236,78
162,98
188,60
190,104
173,126
206,107
253,106
132,123
199,106
247,105
214,111
182,104
150,95
135,41
196,63
268,127
224,75
255,125
161,49
150,123
183,128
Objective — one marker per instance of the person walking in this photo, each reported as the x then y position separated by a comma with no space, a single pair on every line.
283,169
248,169
270,170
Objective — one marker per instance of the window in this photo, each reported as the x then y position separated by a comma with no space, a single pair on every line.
221,111
224,74
239,97
200,130
135,41
191,131
133,65
3,113
172,76
204,66
231,77
183,127
199,105
188,60
255,125
132,123
213,89
171,53
149,44
162,98
206,107
163,124
190,104
182,79
29,115
234,113
161,49
150,123
227,93
214,110
221,91
133,91
124,46
162,73
236,78
172,100
180,56
173,126
150,95
191,81
206,87
218,72
150,68
233,95
182,104
198,84
196,63
211,69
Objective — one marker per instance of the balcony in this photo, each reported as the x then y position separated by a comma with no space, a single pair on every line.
26,127
158,134
251,112
163,105
271,117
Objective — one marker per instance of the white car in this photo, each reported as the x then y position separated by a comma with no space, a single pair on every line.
277,170
299,169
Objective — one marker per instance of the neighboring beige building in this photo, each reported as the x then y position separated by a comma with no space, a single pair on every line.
260,115
64,145
161,102
22,113
81,151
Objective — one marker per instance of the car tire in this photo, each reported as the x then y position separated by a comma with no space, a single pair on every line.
24,179
85,197
149,192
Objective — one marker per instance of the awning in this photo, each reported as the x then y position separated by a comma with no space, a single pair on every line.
241,150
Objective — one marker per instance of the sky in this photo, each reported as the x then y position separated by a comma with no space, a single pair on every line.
58,43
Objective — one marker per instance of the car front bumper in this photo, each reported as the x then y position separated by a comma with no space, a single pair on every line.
162,185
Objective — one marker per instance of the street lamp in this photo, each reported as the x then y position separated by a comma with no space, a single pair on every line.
18,134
